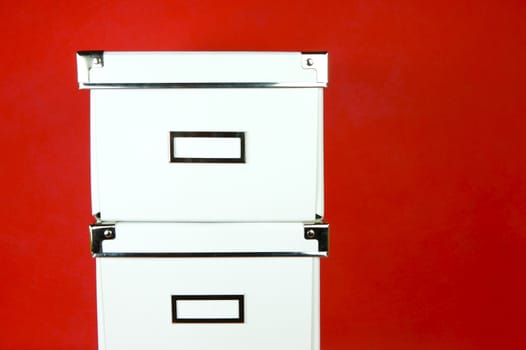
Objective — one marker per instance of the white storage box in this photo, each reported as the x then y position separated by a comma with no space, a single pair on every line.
206,137
198,286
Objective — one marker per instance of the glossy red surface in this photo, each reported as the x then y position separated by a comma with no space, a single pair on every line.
425,161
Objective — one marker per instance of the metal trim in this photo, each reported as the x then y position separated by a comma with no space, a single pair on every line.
241,309
207,134
194,85
210,255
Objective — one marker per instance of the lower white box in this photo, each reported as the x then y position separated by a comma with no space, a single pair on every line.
166,295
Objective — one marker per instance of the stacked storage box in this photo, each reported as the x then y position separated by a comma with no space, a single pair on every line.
207,187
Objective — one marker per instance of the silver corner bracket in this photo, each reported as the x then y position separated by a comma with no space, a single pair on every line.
318,61
100,232
86,61
319,232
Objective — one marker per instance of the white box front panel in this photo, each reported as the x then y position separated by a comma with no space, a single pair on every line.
134,178
280,310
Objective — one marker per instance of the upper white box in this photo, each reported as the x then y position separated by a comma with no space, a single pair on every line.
206,136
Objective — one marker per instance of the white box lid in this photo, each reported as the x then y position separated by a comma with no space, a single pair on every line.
155,239
103,69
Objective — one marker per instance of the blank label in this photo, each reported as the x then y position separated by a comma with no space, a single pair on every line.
207,308
207,147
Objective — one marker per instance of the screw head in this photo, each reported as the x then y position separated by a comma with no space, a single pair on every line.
310,62
310,234
108,233
97,61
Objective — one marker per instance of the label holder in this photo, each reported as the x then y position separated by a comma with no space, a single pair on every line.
239,319
207,134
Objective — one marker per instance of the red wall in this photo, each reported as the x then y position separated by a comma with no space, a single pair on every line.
425,161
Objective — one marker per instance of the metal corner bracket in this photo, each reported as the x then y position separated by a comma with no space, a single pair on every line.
319,232
87,60
318,61
100,232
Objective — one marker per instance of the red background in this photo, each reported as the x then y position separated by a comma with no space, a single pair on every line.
425,161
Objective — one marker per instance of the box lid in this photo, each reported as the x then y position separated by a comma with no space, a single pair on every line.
103,69
155,239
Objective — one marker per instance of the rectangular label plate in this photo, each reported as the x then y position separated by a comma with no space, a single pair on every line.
207,147
208,309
